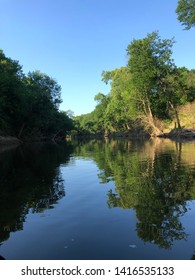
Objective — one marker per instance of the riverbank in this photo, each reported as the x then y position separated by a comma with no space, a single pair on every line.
175,134
10,141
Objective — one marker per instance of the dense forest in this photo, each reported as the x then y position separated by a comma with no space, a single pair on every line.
29,104
145,95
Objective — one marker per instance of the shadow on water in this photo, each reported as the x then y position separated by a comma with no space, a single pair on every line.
30,180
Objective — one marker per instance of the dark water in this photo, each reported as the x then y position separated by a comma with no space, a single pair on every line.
98,200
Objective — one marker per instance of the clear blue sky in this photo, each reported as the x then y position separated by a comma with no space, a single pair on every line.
73,41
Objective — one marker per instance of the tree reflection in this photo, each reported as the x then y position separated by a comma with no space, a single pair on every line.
150,177
30,180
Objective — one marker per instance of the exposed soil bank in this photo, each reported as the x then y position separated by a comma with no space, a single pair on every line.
175,134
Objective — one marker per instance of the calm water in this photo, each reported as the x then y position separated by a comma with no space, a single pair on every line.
98,200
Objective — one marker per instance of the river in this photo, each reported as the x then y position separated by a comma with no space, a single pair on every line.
98,200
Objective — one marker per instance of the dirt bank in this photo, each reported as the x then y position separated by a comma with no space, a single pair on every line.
187,134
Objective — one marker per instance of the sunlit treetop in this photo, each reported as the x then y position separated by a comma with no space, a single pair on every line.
186,13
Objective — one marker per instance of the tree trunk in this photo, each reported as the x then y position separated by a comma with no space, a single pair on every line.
128,127
176,115
21,130
156,130
53,139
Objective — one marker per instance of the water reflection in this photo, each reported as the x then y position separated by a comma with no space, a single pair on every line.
154,178
30,180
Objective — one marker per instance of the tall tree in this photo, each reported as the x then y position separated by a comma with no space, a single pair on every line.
46,86
99,116
186,13
149,63
121,107
29,105
11,76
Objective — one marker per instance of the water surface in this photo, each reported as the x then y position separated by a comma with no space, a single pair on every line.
98,200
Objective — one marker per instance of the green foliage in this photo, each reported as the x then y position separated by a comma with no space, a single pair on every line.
149,89
121,109
46,86
150,63
94,122
149,59
84,124
160,85
186,13
187,79
10,92
29,105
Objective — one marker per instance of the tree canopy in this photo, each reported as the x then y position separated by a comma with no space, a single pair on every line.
29,104
186,13
144,93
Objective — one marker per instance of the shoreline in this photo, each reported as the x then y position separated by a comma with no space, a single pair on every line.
175,134
179,134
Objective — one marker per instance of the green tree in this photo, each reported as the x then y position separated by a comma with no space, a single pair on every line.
99,116
121,109
150,63
187,79
46,86
38,106
41,117
84,124
186,13
29,105
11,76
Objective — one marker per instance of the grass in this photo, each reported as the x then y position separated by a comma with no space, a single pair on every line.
187,118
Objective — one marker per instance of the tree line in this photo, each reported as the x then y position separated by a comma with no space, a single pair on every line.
147,92
29,104
143,93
